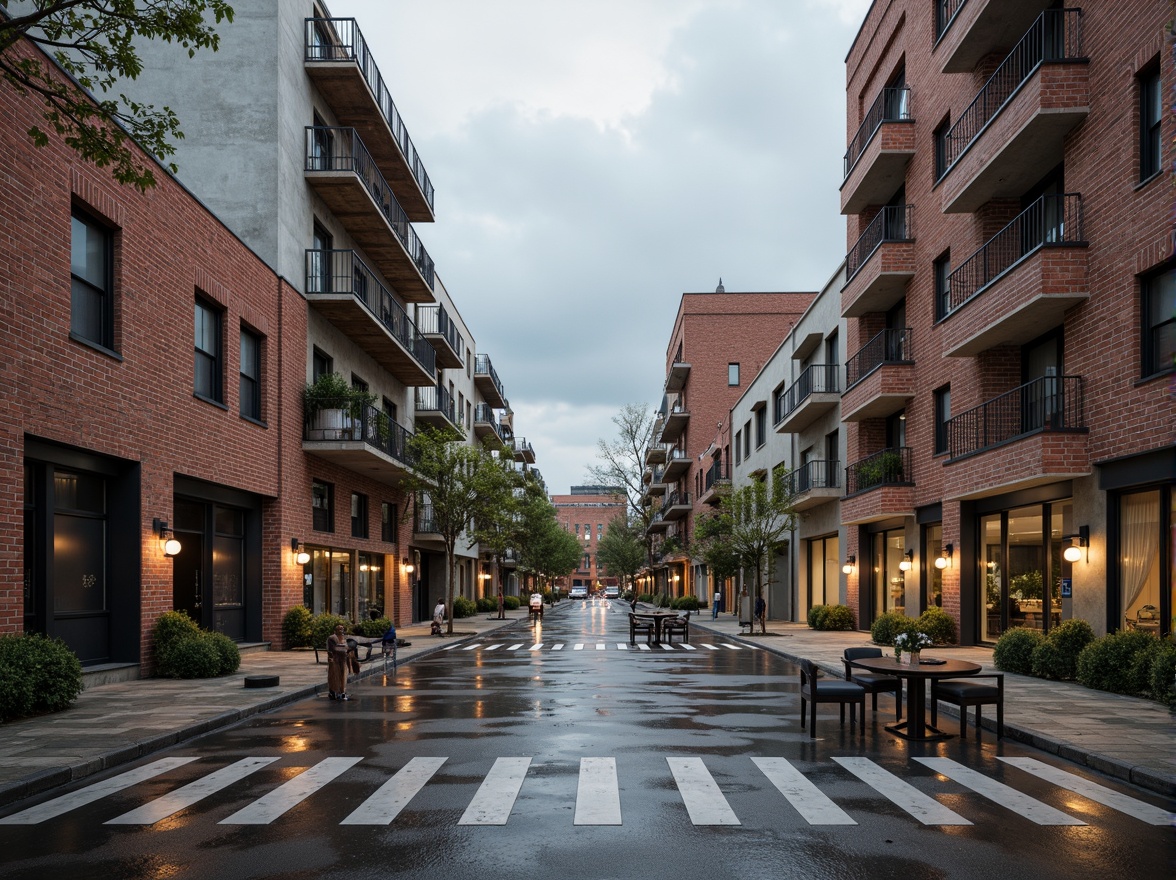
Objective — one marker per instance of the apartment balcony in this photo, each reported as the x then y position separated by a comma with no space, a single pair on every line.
677,505
677,464
1013,133
657,482
347,293
815,483
658,522
366,442
436,326
435,408
876,160
486,424
967,30
341,171
676,378
880,378
523,451
716,481
509,558
487,381
338,62
879,487
1030,436
1021,282
677,417
425,529
880,263
816,392
655,453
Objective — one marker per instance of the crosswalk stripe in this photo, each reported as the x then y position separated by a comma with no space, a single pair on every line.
732,647
67,802
1145,812
814,806
557,647
451,647
290,793
688,648
926,809
643,646
999,793
515,647
472,647
494,647
579,646
393,796
709,646
193,792
497,794
600,646
598,796
536,646
621,646
700,793
666,647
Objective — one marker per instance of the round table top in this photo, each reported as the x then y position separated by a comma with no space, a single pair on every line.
946,669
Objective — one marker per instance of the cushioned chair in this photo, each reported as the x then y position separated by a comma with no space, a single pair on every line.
814,690
874,682
638,626
679,624
970,692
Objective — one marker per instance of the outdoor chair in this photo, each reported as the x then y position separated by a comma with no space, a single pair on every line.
637,626
874,682
679,624
969,692
814,691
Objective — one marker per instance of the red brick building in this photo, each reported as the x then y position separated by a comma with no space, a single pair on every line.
1010,301
586,513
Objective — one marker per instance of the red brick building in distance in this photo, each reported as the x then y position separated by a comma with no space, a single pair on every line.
1010,294
586,513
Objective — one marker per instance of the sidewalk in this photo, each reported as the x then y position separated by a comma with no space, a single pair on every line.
111,724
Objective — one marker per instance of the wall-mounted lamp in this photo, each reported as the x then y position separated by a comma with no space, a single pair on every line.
1074,552
907,561
406,565
167,538
850,562
943,560
299,550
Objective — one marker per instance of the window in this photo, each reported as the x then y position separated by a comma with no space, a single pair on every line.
318,264
1151,113
747,439
940,136
761,426
208,357
321,364
91,268
599,531
388,522
1158,322
732,374
322,147
359,515
941,269
250,389
322,501
389,409
738,447
942,416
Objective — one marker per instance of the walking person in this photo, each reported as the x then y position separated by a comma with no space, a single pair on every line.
760,608
338,662
438,617
501,605
715,605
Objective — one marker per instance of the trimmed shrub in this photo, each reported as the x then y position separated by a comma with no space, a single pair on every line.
1057,656
511,603
1119,662
1014,650
373,629
297,627
838,617
938,624
463,607
816,616
172,626
486,604
188,657
887,626
227,652
323,625
37,674
685,603
1163,674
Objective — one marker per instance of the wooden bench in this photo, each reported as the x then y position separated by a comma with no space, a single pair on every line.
679,624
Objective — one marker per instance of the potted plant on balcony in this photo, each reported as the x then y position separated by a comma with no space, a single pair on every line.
332,405
883,468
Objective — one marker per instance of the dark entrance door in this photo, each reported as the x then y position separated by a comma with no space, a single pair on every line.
188,576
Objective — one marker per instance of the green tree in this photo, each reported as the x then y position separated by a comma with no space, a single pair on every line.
712,543
622,460
94,42
497,527
622,549
546,549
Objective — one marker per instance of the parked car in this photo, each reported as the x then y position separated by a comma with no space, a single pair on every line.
578,593
612,592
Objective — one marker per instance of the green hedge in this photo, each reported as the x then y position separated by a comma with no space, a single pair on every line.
685,603
372,629
887,626
1163,674
831,617
486,604
298,627
1120,662
37,674
938,624
323,625
1056,656
511,603
463,607
1014,650
183,650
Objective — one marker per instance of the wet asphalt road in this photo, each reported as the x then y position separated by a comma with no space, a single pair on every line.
687,738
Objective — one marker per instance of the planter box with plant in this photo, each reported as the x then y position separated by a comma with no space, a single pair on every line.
333,408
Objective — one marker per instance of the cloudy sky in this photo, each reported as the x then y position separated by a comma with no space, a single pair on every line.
594,159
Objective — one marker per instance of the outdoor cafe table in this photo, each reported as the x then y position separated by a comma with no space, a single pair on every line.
658,618
915,727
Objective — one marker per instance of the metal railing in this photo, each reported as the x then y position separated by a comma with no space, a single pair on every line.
1051,403
521,445
483,367
423,520
718,472
892,223
435,320
331,148
945,13
1055,36
484,412
347,421
893,104
676,498
816,379
891,346
887,467
816,474
657,475
339,39
433,399
341,271
1051,221
675,453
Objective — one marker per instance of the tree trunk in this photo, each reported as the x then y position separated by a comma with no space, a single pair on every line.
450,568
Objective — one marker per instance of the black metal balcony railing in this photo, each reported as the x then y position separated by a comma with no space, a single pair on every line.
892,223
434,319
1055,36
484,413
816,379
339,39
891,346
884,468
657,475
676,498
434,399
718,472
425,524
816,474
346,421
341,271
1051,403
483,367
892,105
1051,221
945,13
341,149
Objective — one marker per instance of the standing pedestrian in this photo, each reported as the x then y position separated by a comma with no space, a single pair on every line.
715,605
501,605
438,617
760,608
337,665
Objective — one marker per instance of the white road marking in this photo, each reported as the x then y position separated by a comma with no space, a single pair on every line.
557,647
579,646
472,647
497,794
515,647
686,647
600,646
494,647
290,793
732,647
393,796
536,646
814,806
999,793
80,798
709,646
700,793
1145,812
926,809
643,646
621,646
193,792
598,796
666,646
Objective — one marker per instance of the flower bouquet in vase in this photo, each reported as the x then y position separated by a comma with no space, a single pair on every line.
907,646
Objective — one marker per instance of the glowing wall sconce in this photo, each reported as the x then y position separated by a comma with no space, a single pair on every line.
1074,552
943,560
167,538
850,564
907,561
406,565
299,550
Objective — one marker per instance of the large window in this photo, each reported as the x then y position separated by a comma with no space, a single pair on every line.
250,388
208,357
359,515
1158,322
1151,114
1142,576
761,427
942,417
322,497
824,571
388,522
941,270
889,550
91,282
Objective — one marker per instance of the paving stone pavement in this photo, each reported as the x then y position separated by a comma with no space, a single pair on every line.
111,724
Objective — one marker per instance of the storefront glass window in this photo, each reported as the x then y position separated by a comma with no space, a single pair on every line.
1139,560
